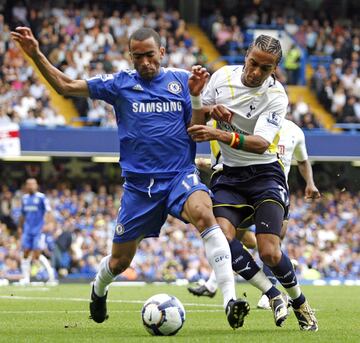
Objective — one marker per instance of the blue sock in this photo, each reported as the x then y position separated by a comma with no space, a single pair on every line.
272,292
267,271
298,301
242,262
284,272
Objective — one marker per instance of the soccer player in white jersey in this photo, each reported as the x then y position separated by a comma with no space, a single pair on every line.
35,210
250,105
291,146
153,110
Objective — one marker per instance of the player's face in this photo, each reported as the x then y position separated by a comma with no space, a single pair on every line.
146,56
259,65
31,185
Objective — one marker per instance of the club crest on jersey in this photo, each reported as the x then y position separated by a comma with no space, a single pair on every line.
119,229
252,108
274,118
174,87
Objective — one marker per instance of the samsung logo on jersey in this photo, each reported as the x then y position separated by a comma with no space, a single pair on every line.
31,208
169,106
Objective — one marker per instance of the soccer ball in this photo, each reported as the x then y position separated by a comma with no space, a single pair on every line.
163,315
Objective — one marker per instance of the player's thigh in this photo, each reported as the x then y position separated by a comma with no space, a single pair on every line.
229,202
197,210
27,242
141,213
284,229
38,242
268,221
189,200
268,218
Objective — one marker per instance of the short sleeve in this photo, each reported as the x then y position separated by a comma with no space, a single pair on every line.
102,87
208,96
300,152
270,121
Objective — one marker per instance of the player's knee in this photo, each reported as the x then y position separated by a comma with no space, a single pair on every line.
202,216
270,255
119,264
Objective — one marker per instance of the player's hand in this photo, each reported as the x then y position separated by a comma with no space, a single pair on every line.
311,192
203,133
221,113
197,80
24,36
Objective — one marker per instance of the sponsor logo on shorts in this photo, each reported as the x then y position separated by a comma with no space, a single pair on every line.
119,229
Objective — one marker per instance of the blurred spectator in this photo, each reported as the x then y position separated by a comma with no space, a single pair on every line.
292,64
323,236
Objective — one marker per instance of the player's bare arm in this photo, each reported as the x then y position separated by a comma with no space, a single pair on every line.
197,81
58,80
250,143
20,226
311,191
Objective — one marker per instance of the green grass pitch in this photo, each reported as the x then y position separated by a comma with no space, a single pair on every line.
60,314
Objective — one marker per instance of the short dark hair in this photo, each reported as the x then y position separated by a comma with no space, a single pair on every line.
145,33
268,44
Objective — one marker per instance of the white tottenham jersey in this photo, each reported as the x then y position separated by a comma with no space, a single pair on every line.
256,111
291,145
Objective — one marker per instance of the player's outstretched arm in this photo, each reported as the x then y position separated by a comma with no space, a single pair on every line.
197,80
305,169
58,80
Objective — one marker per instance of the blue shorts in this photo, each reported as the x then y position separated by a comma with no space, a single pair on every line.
238,191
146,203
31,241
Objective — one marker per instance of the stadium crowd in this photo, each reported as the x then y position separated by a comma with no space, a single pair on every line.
332,44
323,236
82,43
93,40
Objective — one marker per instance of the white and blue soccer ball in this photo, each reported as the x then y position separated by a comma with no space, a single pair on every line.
163,315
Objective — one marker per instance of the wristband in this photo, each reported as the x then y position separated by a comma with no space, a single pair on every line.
237,141
196,102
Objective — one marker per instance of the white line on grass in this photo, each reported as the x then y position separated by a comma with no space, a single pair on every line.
79,311
18,297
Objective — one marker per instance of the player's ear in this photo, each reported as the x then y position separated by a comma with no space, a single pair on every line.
162,52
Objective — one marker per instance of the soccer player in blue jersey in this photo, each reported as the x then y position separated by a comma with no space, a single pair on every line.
153,110
35,209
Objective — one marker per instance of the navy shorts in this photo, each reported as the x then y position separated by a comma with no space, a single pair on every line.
238,191
146,203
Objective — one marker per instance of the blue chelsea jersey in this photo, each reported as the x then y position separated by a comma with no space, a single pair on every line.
33,208
152,118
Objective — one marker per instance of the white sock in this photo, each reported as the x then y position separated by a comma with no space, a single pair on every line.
45,262
211,283
261,282
25,268
294,292
103,278
219,256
